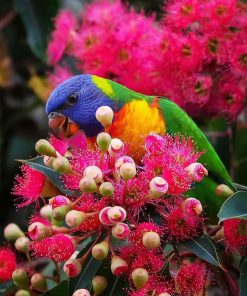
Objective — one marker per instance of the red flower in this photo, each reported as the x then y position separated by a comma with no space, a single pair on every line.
58,248
235,231
7,264
192,278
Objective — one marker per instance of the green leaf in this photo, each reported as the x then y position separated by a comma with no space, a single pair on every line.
60,289
118,288
84,280
243,278
234,207
37,17
204,248
38,164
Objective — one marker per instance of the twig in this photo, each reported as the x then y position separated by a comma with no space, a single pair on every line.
7,19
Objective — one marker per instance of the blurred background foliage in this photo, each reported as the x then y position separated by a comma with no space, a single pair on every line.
25,26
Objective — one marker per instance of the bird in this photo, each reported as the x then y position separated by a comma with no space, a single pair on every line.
73,103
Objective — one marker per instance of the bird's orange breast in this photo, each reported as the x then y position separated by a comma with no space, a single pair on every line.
134,122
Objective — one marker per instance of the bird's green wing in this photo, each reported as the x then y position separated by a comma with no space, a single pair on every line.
177,121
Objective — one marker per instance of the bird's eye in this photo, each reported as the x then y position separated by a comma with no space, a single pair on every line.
72,99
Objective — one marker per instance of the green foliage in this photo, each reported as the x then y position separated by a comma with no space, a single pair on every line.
243,278
234,207
37,17
204,248
60,289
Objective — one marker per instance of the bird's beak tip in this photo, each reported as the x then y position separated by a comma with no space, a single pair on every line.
62,125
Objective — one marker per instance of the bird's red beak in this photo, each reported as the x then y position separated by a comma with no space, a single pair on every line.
62,126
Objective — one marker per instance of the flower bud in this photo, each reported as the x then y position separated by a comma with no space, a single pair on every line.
38,231
164,294
93,172
59,213
22,244
43,147
120,230
127,171
81,292
196,171
192,205
103,141
103,217
139,277
62,165
48,161
72,267
118,266
99,284
106,189
46,211
122,160
104,115
22,293
151,240
223,191
100,251
75,218
59,201
116,146
20,278
88,185
116,214
158,187
38,282
12,232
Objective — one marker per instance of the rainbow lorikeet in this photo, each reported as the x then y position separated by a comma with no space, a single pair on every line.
73,104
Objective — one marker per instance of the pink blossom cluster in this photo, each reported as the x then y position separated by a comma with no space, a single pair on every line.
111,199
128,214
195,55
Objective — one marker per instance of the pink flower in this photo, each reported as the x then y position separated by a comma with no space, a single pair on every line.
61,37
59,75
236,235
7,264
58,248
29,186
184,280
170,160
180,223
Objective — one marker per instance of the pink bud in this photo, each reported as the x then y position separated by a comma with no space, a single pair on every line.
46,211
116,146
158,187
99,284
223,191
104,115
192,205
59,201
72,267
122,160
103,217
22,244
12,232
164,294
151,240
118,266
100,251
116,214
81,292
88,185
93,172
196,171
103,141
139,277
127,171
106,189
120,230
38,231
75,218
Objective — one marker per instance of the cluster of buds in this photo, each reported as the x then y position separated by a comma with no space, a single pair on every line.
111,209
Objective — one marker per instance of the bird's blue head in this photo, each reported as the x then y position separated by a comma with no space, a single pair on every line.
76,100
